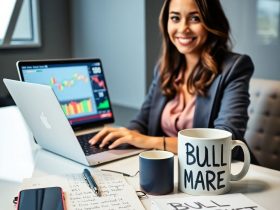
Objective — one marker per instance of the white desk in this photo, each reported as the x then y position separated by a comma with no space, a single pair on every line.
21,158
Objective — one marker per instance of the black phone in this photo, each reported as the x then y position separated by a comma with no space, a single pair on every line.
41,199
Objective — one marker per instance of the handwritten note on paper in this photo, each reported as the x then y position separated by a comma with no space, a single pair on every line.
219,202
115,192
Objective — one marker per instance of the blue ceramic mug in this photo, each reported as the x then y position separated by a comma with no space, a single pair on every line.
156,172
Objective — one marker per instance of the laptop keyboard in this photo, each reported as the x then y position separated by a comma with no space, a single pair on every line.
87,147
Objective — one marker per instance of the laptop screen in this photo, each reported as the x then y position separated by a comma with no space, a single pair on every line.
79,85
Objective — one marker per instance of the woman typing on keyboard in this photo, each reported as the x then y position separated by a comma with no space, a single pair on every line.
198,82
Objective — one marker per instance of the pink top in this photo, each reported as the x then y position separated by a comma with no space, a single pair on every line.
178,113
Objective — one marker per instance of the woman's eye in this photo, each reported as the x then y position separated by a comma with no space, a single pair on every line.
175,18
194,18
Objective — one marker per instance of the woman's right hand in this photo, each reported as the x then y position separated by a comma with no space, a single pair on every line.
114,137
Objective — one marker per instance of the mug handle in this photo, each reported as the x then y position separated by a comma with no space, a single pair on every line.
247,160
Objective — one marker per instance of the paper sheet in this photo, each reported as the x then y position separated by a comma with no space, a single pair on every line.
115,192
218,202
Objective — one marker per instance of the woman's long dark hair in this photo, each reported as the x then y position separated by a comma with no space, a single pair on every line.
172,61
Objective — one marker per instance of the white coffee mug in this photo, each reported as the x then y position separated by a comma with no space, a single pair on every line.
204,156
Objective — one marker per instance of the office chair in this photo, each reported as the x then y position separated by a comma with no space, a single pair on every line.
263,130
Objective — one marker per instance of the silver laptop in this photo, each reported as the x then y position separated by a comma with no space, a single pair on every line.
67,112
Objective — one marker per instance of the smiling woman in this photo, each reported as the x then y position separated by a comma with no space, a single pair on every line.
198,81
19,25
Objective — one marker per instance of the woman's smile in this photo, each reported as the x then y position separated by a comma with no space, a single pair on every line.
185,41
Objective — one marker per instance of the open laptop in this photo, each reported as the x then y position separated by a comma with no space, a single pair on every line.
68,106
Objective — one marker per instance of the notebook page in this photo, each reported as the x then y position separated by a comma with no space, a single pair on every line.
115,192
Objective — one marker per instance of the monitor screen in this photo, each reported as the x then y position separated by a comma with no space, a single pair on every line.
79,85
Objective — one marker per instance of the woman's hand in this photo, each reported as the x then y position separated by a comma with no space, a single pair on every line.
116,136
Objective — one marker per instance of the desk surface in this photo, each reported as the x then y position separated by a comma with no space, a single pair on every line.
21,158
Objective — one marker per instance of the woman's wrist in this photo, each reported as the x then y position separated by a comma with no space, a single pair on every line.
157,143
163,143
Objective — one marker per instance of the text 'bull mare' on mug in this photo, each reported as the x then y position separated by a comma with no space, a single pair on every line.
204,156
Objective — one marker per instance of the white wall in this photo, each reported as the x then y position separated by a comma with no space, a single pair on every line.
115,32
243,18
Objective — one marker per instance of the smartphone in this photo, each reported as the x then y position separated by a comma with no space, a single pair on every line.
50,198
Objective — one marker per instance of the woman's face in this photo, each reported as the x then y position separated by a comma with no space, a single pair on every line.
185,28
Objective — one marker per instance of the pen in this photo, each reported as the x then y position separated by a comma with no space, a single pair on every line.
89,179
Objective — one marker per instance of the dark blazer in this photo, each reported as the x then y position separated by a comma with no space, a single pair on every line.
224,107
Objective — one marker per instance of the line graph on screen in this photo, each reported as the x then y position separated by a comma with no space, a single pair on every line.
68,83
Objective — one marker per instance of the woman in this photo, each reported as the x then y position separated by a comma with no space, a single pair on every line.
198,82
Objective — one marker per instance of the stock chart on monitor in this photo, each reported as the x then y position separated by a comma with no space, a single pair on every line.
81,89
